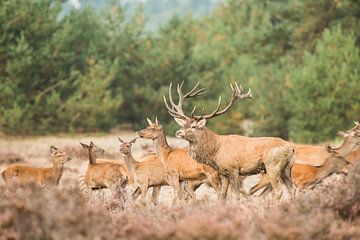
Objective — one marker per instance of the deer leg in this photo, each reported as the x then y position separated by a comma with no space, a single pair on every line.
264,181
275,162
144,189
155,195
174,181
189,191
136,193
233,178
224,186
214,180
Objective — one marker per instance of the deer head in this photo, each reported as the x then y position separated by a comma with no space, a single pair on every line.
58,156
92,148
152,131
191,126
125,147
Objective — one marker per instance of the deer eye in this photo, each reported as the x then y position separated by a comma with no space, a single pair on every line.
193,126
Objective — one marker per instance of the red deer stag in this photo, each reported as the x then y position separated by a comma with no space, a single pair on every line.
233,155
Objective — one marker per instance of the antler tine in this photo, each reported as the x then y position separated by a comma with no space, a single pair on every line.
236,95
171,111
176,110
193,93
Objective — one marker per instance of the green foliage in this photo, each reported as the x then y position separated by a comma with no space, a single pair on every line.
325,89
93,70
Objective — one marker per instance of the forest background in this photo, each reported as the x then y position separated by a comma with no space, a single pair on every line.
97,69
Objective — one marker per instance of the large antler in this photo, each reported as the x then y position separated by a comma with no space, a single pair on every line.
176,110
237,94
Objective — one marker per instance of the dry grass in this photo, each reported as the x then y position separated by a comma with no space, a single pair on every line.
329,212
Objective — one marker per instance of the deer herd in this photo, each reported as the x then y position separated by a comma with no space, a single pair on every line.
217,160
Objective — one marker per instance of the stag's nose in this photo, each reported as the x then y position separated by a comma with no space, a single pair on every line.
180,134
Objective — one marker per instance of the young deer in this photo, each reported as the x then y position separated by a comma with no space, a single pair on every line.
309,167
179,166
232,155
22,174
148,172
102,175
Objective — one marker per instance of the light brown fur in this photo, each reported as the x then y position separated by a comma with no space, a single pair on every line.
41,176
231,155
102,175
313,163
148,172
178,165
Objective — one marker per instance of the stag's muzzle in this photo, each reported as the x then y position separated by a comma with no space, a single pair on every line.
180,134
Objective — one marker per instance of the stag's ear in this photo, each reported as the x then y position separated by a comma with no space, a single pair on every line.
91,144
133,141
330,149
202,123
84,145
53,149
180,121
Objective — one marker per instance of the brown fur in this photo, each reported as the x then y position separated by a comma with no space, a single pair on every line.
179,166
22,174
148,172
237,155
312,163
102,175
304,175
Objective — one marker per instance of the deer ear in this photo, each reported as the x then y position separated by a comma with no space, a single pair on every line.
91,144
133,141
84,145
330,149
202,123
53,149
180,121
120,140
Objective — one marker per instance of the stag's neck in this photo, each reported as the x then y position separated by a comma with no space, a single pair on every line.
92,157
57,170
205,149
130,162
162,146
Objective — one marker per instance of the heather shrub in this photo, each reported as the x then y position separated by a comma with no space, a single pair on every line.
346,197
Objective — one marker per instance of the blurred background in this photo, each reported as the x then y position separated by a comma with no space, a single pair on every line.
104,65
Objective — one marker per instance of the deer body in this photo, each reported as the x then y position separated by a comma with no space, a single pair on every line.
102,175
232,155
41,176
313,163
148,172
178,164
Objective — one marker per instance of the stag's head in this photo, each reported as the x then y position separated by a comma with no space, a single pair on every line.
352,136
338,162
59,156
152,131
125,147
92,148
192,125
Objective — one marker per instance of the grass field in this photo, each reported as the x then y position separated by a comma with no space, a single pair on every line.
331,211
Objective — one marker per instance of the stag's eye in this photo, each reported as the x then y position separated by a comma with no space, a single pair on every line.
193,126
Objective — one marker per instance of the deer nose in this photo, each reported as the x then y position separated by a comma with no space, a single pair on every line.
180,134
